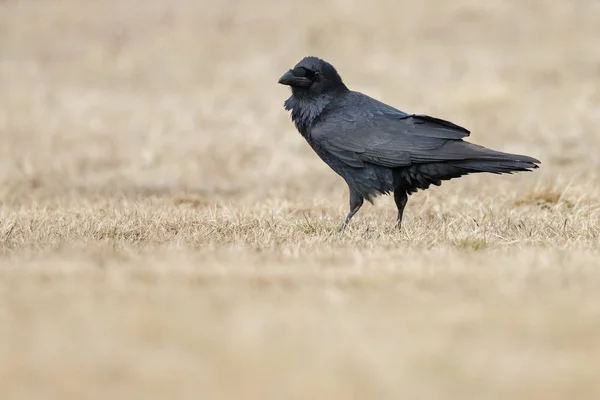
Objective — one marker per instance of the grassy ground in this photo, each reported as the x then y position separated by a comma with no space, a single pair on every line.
165,232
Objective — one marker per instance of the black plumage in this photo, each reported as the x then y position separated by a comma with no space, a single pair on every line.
378,149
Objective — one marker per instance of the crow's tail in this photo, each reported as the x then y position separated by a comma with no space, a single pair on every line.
481,159
474,158
503,163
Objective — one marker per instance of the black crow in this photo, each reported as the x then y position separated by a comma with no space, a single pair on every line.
377,148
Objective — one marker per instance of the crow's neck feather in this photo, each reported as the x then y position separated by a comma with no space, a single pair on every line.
305,110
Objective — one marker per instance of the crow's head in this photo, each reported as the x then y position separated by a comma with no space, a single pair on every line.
313,76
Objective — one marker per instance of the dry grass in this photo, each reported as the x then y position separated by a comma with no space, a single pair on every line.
165,233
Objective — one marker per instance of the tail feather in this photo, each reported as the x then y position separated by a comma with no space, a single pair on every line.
477,158
421,176
503,166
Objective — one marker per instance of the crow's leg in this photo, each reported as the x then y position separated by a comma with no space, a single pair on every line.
401,198
356,202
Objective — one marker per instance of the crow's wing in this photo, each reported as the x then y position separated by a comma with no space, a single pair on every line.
390,138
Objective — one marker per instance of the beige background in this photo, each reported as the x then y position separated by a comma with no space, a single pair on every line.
166,233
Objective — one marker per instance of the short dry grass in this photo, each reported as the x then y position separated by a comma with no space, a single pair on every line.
165,232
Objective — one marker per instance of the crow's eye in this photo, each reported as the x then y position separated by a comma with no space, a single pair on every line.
312,75
317,73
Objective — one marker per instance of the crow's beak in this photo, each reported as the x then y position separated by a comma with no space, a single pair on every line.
291,80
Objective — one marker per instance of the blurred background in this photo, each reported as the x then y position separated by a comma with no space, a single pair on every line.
165,231
159,94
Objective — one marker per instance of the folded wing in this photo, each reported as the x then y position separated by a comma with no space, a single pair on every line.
394,139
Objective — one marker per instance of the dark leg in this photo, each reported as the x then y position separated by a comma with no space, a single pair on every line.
356,203
401,198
